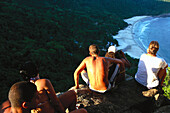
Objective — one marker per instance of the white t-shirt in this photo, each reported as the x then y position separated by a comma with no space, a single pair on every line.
148,68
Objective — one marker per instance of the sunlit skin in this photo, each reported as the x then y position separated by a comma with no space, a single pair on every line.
97,69
50,102
47,94
5,107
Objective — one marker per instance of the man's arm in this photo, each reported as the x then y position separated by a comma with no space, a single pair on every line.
118,61
79,69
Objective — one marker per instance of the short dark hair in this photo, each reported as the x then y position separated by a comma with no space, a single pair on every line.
94,49
21,92
28,70
153,47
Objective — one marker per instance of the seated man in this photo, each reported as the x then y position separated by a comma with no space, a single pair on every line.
97,70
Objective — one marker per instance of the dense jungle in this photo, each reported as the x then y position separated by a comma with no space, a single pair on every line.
55,34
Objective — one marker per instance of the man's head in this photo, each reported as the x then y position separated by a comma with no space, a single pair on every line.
28,70
153,47
23,95
94,49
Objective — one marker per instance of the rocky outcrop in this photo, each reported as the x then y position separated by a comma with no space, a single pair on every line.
125,98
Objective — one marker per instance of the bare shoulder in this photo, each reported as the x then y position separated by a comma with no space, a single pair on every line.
42,82
87,59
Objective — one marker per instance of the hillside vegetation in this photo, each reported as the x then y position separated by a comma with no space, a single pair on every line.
55,34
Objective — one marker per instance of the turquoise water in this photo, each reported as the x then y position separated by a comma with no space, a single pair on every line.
154,28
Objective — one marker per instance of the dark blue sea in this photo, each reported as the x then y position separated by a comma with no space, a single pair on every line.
154,28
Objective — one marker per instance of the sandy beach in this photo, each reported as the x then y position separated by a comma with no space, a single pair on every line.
126,40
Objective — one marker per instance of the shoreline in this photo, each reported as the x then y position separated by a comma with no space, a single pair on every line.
126,40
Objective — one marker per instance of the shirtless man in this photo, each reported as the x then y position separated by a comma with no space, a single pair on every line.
97,70
23,98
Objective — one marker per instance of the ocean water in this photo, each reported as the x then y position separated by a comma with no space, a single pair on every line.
154,28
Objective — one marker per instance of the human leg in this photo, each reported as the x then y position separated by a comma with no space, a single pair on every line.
69,100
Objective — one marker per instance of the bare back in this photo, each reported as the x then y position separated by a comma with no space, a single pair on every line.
97,69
